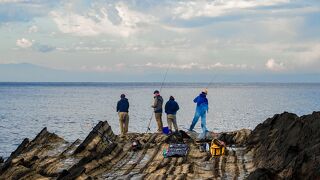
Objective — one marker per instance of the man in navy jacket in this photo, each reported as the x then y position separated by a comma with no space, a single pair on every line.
123,110
171,109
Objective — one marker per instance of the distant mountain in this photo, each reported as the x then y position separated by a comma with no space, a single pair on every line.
26,72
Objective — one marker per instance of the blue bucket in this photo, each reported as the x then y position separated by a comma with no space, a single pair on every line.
165,130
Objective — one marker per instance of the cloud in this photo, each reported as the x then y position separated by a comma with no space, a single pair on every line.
100,21
192,9
43,48
25,10
91,49
104,68
24,43
33,29
311,55
272,65
193,65
13,1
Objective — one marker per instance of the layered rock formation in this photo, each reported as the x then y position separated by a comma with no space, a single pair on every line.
287,147
103,155
283,147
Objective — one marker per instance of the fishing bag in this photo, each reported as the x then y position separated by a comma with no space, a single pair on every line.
136,145
177,150
217,148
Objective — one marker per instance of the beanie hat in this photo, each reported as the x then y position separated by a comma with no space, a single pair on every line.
205,91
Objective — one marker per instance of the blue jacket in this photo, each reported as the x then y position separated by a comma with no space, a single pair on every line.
171,107
202,102
123,105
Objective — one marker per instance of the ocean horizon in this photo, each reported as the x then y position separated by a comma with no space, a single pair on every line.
71,109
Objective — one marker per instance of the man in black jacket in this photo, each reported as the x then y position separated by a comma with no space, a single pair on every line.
171,109
123,110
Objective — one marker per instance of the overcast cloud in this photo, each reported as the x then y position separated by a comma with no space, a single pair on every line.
228,36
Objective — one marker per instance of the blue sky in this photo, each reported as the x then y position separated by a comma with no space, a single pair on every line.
134,37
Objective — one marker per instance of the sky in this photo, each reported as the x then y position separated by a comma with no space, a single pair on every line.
136,38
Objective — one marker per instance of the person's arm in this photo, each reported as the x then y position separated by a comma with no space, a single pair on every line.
118,104
195,100
128,105
166,108
177,106
155,102
207,105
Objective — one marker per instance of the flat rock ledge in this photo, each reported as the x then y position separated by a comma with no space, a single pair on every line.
283,147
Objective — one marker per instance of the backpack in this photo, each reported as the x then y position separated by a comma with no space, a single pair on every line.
217,148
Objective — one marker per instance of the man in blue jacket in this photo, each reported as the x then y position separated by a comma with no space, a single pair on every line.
201,110
171,109
123,110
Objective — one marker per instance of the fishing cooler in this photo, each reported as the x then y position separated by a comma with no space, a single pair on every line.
217,148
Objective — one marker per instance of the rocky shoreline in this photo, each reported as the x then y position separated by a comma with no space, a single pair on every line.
282,147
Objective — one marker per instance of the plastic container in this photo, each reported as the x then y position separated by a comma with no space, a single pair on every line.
165,130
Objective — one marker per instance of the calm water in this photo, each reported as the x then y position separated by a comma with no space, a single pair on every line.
71,109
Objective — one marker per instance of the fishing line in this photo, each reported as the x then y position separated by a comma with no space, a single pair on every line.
162,84
212,80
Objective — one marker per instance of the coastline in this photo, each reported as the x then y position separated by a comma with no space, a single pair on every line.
283,146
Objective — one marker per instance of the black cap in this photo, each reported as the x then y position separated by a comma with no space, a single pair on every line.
171,98
122,96
156,92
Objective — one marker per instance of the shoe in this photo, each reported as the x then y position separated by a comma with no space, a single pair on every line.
191,130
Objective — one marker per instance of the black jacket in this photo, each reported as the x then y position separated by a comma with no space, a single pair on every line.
123,105
171,107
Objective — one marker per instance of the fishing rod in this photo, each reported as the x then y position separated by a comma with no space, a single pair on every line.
212,80
162,84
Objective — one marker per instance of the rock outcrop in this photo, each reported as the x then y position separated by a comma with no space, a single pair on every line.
287,147
103,155
283,147
238,138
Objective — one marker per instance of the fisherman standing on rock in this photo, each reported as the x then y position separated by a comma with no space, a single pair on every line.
171,109
157,107
201,110
123,112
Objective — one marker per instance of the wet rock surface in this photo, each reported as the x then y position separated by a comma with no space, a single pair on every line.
103,155
283,147
286,146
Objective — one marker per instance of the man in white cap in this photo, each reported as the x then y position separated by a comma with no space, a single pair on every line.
201,110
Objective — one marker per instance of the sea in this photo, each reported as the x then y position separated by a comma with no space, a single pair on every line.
71,110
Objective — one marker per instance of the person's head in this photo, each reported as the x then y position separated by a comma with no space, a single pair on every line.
156,92
122,96
204,91
171,98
